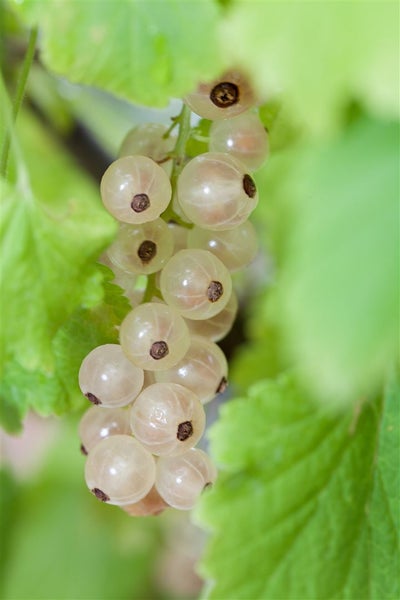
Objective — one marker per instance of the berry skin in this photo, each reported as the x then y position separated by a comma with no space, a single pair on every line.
152,504
97,424
119,470
243,137
215,191
154,336
203,369
142,249
135,189
147,139
108,379
196,283
225,97
236,248
167,418
217,327
181,479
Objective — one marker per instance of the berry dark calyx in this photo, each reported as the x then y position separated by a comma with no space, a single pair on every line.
83,450
159,350
140,202
249,186
92,398
224,94
223,384
215,291
100,495
147,251
185,430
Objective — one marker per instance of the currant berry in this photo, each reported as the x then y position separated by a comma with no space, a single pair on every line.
219,326
203,370
181,479
142,249
154,336
152,504
108,379
243,137
148,140
167,418
225,97
119,470
134,189
216,192
97,424
196,283
236,247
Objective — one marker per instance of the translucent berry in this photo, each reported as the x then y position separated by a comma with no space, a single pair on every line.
97,424
147,139
167,418
244,137
215,191
223,98
142,249
236,247
152,504
154,336
203,369
181,479
119,470
134,189
196,283
108,379
219,326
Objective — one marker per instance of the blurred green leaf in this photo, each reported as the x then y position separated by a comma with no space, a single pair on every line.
294,512
337,292
199,138
146,52
319,55
53,226
9,509
65,544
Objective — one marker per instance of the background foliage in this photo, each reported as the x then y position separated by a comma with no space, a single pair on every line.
306,505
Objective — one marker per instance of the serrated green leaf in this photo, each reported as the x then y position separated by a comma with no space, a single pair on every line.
294,511
318,55
53,226
59,391
337,293
21,388
50,236
146,52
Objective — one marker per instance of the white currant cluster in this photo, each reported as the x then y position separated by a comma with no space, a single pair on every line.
148,391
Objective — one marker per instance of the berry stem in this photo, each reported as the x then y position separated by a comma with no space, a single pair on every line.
19,96
178,156
151,289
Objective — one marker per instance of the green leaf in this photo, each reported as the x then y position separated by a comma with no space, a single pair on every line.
65,544
9,512
337,296
50,236
59,391
52,228
294,512
86,329
318,55
146,52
